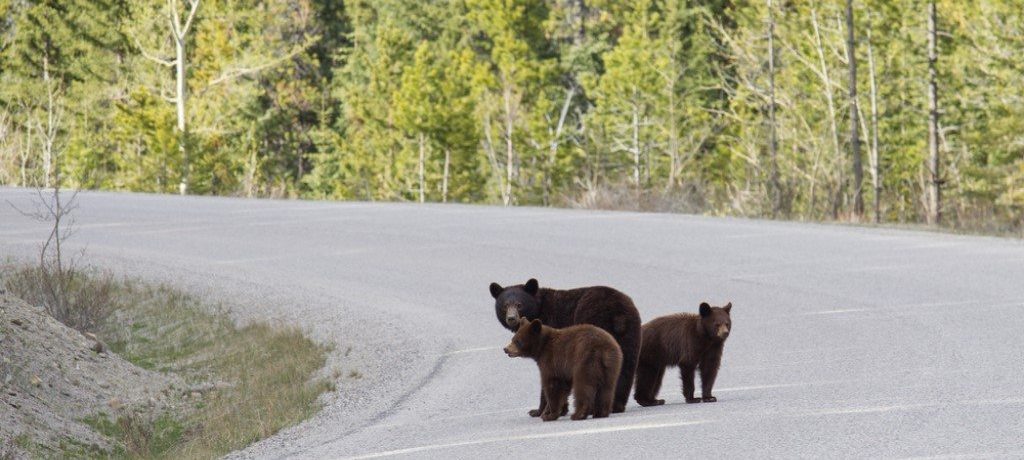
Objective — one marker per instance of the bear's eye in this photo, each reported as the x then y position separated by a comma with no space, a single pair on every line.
518,343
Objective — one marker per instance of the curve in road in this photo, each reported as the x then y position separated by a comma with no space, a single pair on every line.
847,341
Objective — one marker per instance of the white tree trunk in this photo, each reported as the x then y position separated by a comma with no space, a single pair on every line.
5,150
827,82
773,140
673,135
179,33
876,176
935,190
487,143
47,132
636,146
420,167
180,97
444,180
858,172
509,150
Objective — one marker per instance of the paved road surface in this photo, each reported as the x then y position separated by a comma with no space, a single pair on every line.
847,341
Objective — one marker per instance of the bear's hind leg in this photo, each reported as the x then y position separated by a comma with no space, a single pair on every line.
583,392
605,397
629,342
648,383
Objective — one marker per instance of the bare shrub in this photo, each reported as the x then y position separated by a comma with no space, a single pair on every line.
77,299
688,198
57,284
138,434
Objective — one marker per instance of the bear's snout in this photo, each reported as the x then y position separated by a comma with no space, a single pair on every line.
512,317
723,332
512,353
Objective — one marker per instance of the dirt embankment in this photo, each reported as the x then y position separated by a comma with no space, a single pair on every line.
54,378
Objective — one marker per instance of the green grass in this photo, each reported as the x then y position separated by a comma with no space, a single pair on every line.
139,436
256,379
262,376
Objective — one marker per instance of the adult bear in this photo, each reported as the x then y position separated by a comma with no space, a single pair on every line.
601,306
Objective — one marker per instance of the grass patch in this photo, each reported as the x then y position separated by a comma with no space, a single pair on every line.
250,381
140,435
246,383
65,448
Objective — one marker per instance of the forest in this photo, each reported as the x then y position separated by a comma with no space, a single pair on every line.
893,111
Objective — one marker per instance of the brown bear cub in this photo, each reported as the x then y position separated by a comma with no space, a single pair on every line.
685,340
601,306
583,358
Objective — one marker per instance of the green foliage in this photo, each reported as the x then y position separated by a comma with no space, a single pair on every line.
531,101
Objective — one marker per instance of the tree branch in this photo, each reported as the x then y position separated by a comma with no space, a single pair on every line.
191,15
242,71
175,19
161,61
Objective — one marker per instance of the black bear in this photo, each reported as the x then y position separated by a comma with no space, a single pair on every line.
584,358
601,306
685,340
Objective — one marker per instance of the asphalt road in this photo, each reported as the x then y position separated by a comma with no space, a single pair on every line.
846,341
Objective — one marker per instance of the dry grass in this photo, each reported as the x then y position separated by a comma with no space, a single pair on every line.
79,299
688,199
977,218
248,382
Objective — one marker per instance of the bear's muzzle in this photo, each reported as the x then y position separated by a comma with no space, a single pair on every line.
512,317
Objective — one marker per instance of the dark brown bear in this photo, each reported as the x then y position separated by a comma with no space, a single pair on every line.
601,306
685,340
583,358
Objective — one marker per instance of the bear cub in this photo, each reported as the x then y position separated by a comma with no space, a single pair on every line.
686,340
583,358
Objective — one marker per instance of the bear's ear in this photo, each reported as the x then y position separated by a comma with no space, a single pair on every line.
727,307
535,326
496,290
705,309
531,287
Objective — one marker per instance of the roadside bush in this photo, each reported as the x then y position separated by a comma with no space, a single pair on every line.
79,300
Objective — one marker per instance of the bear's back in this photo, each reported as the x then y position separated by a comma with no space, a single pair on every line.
673,338
579,344
601,306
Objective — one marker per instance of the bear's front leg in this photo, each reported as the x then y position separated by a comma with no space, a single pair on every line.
708,372
687,374
557,394
543,405
648,383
